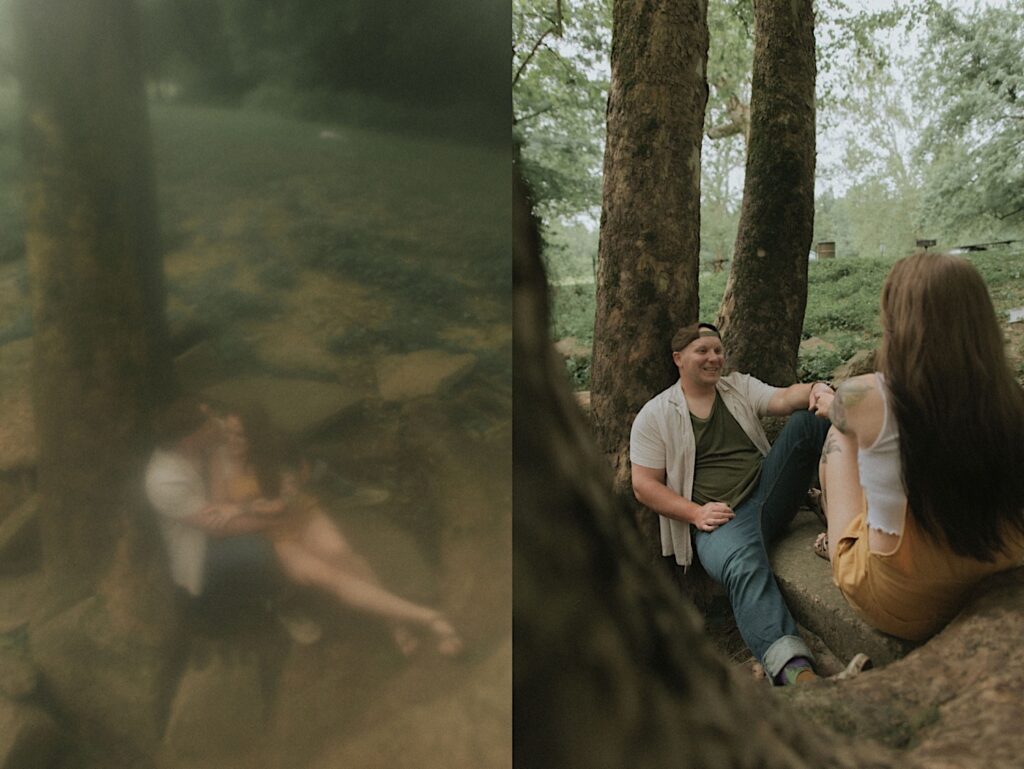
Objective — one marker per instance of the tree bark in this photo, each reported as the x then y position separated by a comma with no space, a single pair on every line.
762,311
100,362
650,218
611,667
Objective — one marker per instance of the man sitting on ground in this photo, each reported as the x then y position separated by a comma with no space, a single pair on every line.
702,461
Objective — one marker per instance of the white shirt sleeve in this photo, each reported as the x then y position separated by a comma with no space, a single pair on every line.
173,488
757,393
646,443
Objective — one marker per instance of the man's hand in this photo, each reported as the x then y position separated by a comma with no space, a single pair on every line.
821,398
712,515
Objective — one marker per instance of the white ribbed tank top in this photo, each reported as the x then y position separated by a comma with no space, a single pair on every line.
880,472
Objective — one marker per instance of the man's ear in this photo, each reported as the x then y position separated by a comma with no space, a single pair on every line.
676,355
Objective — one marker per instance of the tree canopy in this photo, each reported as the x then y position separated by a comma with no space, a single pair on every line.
559,87
909,146
972,81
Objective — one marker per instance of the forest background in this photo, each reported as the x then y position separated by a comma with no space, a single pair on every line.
917,134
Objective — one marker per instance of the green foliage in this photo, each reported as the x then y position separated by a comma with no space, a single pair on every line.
570,252
572,312
843,295
842,308
437,60
972,79
559,90
711,290
578,368
817,363
730,57
870,220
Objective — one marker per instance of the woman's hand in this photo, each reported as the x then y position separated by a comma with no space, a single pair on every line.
712,515
216,517
821,404
820,399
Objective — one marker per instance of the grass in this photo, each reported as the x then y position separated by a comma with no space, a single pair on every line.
252,204
841,315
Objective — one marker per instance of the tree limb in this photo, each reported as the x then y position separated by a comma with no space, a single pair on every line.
530,116
530,55
1007,216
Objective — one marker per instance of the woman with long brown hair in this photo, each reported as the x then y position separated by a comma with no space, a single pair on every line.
923,469
259,472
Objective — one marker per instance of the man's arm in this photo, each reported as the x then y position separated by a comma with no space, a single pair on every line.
796,397
650,490
226,520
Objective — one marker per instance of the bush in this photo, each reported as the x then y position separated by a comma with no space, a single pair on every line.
572,312
842,308
579,371
818,363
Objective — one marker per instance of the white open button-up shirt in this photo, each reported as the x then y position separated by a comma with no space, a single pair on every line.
662,437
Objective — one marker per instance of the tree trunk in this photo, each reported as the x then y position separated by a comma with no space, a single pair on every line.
762,312
99,363
611,667
650,218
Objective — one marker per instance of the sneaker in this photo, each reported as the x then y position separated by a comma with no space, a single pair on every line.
856,666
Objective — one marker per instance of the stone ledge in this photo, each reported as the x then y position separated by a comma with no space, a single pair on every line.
816,603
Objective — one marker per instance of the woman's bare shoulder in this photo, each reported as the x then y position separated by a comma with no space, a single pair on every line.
858,406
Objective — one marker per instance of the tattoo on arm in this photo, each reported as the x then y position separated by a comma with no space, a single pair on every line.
849,394
831,447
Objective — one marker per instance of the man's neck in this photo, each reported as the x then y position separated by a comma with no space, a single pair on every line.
696,390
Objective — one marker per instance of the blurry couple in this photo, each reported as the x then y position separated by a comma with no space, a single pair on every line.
229,493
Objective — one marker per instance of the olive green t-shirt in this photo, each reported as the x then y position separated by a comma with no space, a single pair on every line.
728,463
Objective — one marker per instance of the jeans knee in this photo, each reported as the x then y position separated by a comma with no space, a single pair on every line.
804,423
745,564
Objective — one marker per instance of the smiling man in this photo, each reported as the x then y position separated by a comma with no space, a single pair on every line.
702,461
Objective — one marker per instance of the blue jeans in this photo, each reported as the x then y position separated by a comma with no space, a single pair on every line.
735,554
241,570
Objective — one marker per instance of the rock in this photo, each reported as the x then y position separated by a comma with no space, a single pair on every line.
863,362
570,348
300,406
815,343
806,582
19,596
462,727
105,660
18,678
29,738
218,710
952,702
17,431
400,377
19,534
198,366
583,400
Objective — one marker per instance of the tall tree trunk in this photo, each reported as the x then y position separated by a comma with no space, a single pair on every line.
100,362
611,667
762,312
650,218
